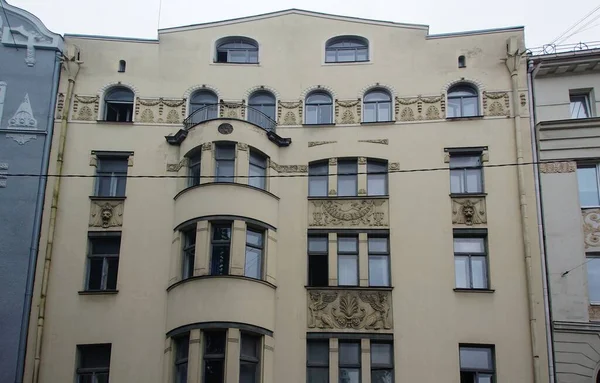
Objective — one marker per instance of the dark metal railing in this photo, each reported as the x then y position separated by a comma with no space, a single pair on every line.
231,110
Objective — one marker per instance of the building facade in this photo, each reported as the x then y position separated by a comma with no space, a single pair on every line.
568,129
29,75
292,197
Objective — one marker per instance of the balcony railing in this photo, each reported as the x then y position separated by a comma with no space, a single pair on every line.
231,110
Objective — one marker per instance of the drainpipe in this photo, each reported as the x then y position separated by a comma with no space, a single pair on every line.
71,65
37,223
541,231
513,62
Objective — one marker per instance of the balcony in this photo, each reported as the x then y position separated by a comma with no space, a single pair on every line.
231,111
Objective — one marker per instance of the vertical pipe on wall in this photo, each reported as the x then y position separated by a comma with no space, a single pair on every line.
37,223
71,65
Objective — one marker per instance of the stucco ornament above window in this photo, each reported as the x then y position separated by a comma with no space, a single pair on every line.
23,117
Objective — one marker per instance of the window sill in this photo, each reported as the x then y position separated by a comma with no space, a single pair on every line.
381,288
347,63
110,198
328,124
98,292
225,183
466,195
235,64
197,277
349,197
461,118
115,122
378,122
461,290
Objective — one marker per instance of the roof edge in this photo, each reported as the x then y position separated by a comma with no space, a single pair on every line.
111,38
476,32
57,39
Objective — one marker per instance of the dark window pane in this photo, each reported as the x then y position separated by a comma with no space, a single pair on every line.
250,345
248,372
382,376
467,377
476,358
257,176
318,352
94,356
225,170
317,375
225,151
222,233
381,354
111,274
95,273
214,371
317,244
253,265
349,375
181,373
105,245
349,353
182,346
318,270
220,260
215,342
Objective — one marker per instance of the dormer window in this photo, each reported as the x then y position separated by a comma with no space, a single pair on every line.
237,50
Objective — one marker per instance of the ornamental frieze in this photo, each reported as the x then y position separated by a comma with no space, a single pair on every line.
106,213
496,104
349,310
289,113
469,211
177,166
288,168
363,212
85,108
347,112
161,110
591,227
558,167
233,109
420,108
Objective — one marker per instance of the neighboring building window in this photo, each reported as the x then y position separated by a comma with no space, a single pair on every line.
579,105
250,359
346,49
379,261
377,177
225,162
318,260
463,101
382,362
319,108
122,66
182,346
194,169
593,272
207,102
261,103
318,176
347,178
258,170
189,252
462,62
470,262
214,356
587,179
238,50
349,367
347,261
93,364
118,105
254,253
377,106
111,175
317,361
476,364
103,262
221,247
466,173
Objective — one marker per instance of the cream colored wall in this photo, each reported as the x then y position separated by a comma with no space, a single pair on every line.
552,95
430,319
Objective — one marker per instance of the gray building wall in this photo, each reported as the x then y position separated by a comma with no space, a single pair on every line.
28,78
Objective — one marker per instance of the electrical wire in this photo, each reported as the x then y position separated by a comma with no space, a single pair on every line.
576,24
578,30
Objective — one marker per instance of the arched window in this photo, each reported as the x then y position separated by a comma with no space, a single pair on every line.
118,104
463,101
346,49
377,106
206,103
261,104
122,66
240,50
319,108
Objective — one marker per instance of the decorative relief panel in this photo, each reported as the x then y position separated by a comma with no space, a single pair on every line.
350,310
344,213
496,103
347,112
591,227
469,211
594,313
318,143
164,111
60,105
289,113
85,108
233,109
383,141
420,108
289,168
3,174
177,166
558,167
106,213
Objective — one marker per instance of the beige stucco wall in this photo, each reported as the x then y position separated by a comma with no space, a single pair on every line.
430,319
552,94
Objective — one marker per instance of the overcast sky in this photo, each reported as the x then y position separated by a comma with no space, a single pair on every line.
544,20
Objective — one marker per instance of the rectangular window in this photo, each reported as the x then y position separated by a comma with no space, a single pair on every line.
377,177
189,253
258,170
254,253
318,179
182,345
214,356
466,174
593,273
250,359
347,171
318,259
579,105
476,364
221,246
93,363
347,261
470,262
194,170
349,367
587,179
111,173
103,262
382,362
379,261
224,162
317,361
